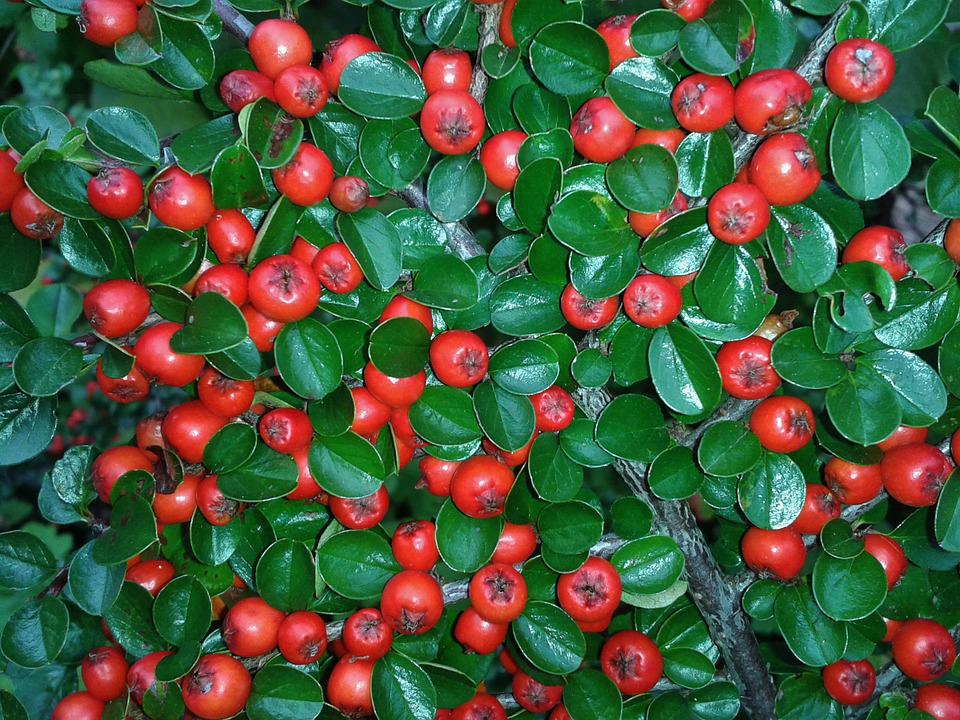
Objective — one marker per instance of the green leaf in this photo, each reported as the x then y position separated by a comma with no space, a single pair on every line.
674,475
196,148
236,179
94,587
656,32
133,528
466,544
346,466
591,695
186,55
705,162
61,185
772,493
26,426
849,589
524,305
130,621
181,612
374,242
631,427
213,324
869,151
20,256
447,283
946,523
569,58
864,408
378,85
943,187
393,152
798,360
401,690
648,565
356,563
455,186
285,575
684,372
688,668
123,134
525,367
645,179
920,392
949,361
553,474
229,448
26,561
45,365
642,88
400,347
507,419
631,517
445,416
35,634
803,247
164,254
901,24
813,637
25,127
728,449
569,528
590,223
803,696
537,186
549,638
284,693
712,44
308,358
920,318
729,287
265,475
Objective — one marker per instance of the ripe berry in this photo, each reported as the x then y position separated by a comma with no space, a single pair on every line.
216,508
776,553
116,307
104,673
303,250
348,687
914,474
783,424
436,475
152,576
667,139
820,507
689,10
510,459
338,55
228,280
849,683
306,484
785,169
224,396
940,701
601,133
889,554
132,387
142,676
498,593
853,484
904,435
771,100
458,358
178,506
337,269
349,194
590,593
78,706
395,392
230,236
181,200
881,245
480,707
534,696
414,545
301,91
452,122
506,27
951,238
116,192
365,634
216,688
402,306
240,88
447,69
615,32
632,661
480,486
369,414
103,22
703,103
307,178
412,602
745,368
644,224
738,213
276,45
284,288
585,314
286,430
923,650
859,70
187,429
499,158
262,330
11,182
361,513
33,218
112,464
553,408
302,637
652,301
477,635
250,627
516,544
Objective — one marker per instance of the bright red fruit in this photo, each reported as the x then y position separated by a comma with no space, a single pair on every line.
889,554
365,634
369,414
458,358
590,593
783,424
348,687
644,224
222,395
116,192
601,133
230,236
534,696
414,545
215,507
216,688
585,314
228,280
306,484
412,602
480,486
738,213
506,24
859,70
820,507
104,672
452,122
853,484
651,301
880,245
499,158
349,194
667,139
632,661
301,91
940,701
498,593
554,409
302,637
111,464
361,513
776,553
516,544
402,306
305,180
103,22
262,330
33,218
914,474
436,475
689,10
181,200
447,69
337,268
188,428
904,435
338,55
785,169
177,506
849,683
152,576
395,392
286,430
771,100
116,307
250,627
745,368
78,706
132,387
703,103
11,182
480,707
239,88
284,288
142,676
477,635
277,44
615,32
923,650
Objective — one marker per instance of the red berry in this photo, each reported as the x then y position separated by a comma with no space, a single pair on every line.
777,553
600,131
181,200
820,507
116,307
33,218
785,169
349,194
116,192
940,701
771,100
516,544
510,459
152,576
436,475
534,696
667,139
402,306
301,91
395,392
230,236
188,428
302,637
348,687
554,409
506,24
177,506
498,593
689,10
286,430
703,103
276,45
284,288
78,706
338,55
262,330
644,224
889,554
499,158
132,387
481,707
480,486
951,238
458,358
881,245
366,634
652,301
414,545
250,627
615,32
923,650
585,314
104,673
447,69
849,683
745,368
853,484
477,635
303,250
112,464
369,414
412,602
337,269
224,396
306,484
307,178
783,424
914,474
738,213
452,122
11,182
632,661
590,593
142,676
216,508
240,88
904,435
859,70
361,513
103,22
228,280
216,688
